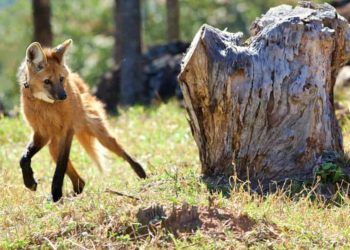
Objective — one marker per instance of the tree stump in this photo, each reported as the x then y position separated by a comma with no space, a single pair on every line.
263,110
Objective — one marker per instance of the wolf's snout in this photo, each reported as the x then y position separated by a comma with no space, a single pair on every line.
62,96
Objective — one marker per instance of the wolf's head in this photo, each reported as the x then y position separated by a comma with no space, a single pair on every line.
46,71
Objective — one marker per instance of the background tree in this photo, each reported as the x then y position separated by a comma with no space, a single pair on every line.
91,25
42,22
130,40
342,7
117,34
173,17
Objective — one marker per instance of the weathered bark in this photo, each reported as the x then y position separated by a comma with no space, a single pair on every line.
265,108
131,73
42,22
173,20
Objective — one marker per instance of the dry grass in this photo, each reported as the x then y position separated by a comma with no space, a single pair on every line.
160,139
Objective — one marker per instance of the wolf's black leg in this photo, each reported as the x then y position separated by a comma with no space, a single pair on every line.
37,143
61,167
136,167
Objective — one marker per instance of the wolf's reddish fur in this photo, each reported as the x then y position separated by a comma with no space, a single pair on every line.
44,76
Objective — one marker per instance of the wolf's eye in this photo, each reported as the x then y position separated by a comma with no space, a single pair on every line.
47,81
61,79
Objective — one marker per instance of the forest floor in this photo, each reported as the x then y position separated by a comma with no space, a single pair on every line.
159,138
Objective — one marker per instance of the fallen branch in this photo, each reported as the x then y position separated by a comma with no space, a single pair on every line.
121,194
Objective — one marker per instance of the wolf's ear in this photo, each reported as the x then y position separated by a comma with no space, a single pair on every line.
61,49
35,56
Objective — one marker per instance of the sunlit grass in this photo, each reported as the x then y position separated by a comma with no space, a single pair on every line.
160,139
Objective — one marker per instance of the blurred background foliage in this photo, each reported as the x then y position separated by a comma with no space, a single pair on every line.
90,23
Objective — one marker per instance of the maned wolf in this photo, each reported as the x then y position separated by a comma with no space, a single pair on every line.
57,105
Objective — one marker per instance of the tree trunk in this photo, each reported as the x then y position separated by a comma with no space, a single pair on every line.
117,34
173,17
131,74
42,22
264,109
342,7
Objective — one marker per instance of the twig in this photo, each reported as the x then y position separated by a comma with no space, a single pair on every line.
121,194
50,243
78,245
93,244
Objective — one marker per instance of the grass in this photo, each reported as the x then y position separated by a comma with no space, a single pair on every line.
160,138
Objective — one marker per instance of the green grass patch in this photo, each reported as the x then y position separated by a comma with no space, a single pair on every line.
160,139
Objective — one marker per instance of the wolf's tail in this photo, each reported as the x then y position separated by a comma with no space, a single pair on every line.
93,149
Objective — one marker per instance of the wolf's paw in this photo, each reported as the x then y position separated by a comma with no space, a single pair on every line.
30,183
138,170
56,193
79,187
